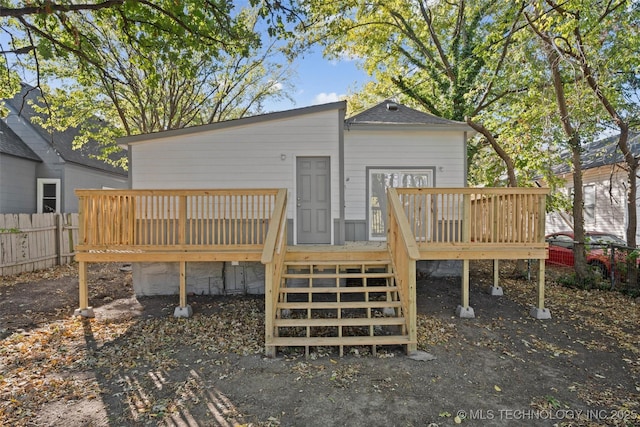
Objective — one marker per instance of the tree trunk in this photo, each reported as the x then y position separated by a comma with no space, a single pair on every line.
583,274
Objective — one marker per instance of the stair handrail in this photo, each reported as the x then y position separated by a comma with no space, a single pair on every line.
404,252
273,255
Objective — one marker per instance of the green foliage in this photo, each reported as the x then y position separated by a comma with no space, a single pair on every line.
139,67
10,230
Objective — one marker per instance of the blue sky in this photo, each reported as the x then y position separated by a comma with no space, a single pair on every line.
319,81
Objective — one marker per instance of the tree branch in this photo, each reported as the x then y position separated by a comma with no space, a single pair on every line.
50,8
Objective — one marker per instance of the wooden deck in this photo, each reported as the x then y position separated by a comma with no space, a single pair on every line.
251,225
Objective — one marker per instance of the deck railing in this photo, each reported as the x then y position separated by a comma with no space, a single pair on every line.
273,255
404,253
174,219
475,216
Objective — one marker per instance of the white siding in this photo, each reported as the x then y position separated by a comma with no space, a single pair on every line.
76,177
610,204
444,151
248,156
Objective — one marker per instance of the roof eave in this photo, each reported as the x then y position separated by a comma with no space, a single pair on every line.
453,127
279,115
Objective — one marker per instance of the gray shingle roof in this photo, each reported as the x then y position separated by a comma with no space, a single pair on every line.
602,152
11,144
62,142
391,112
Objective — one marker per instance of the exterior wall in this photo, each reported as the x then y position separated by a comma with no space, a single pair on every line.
258,155
18,189
76,176
443,151
610,213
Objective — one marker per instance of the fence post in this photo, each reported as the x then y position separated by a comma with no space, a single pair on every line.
59,239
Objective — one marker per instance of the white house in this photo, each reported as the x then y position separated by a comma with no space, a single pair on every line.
604,186
335,171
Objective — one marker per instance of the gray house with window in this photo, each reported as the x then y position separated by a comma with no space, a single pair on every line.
40,168
18,165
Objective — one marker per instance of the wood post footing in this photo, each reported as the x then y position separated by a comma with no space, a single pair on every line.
496,291
84,312
185,311
465,312
540,313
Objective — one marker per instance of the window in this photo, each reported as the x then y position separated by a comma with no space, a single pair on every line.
48,195
589,204
379,181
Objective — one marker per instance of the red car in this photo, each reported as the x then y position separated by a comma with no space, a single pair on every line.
598,246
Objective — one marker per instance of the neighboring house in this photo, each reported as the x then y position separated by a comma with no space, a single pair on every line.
59,169
604,185
335,171
18,165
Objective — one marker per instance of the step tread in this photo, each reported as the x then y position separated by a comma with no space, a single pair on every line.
343,264
337,275
337,305
337,290
332,321
335,341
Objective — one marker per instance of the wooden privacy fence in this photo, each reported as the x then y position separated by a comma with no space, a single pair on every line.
30,242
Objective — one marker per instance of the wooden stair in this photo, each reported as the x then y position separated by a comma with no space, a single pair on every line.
332,300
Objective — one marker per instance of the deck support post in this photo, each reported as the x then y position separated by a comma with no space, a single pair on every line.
183,310
83,290
413,308
269,311
464,310
540,312
496,289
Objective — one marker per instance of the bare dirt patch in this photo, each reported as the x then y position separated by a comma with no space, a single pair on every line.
134,364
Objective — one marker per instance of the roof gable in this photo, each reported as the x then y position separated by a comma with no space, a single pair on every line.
62,142
390,112
11,144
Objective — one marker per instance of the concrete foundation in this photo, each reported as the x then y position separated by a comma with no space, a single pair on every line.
465,312
540,313
442,268
202,278
84,312
496,291
185,311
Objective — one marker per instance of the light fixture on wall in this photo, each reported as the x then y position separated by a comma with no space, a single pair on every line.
283,157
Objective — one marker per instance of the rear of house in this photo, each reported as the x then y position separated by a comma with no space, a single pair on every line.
269,204
335,172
